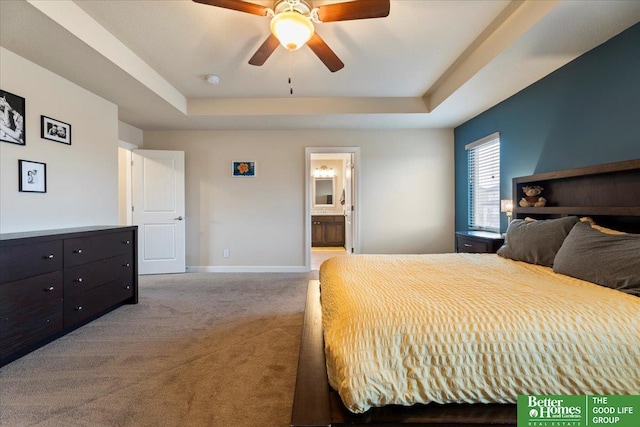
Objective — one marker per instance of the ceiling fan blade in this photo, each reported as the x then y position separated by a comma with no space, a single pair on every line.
239,5
264,52
357,9
324,52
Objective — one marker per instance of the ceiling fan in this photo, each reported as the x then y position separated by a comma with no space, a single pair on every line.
292,24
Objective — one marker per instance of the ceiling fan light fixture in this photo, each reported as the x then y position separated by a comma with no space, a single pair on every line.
292,29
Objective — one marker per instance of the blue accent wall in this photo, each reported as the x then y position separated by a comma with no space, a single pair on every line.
585,113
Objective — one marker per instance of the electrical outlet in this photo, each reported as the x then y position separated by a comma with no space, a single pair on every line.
225,253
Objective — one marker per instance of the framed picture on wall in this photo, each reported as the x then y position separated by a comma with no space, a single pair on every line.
55,130
12,118
244,169
32,176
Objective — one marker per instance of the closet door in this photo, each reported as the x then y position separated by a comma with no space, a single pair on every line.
159,210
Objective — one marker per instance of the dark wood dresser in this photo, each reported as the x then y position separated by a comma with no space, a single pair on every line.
478,242
54,281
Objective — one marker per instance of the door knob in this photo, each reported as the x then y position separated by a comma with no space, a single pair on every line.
179,218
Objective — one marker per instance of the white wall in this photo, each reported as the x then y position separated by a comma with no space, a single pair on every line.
82,178
130,135
124,186
129,138
407,192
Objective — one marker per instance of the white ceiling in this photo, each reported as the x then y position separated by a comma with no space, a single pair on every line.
430,63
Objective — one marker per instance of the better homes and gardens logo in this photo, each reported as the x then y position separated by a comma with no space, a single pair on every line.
578,411
553,410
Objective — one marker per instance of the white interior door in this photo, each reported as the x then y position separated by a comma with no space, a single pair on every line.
158,210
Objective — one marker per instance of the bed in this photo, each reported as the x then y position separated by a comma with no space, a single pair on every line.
362,386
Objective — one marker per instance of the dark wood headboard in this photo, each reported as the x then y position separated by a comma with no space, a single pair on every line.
608,193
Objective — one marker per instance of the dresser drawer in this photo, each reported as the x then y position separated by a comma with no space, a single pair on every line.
29,326
471,246
20,295
478,242
26,260
82,250
81,307
88,276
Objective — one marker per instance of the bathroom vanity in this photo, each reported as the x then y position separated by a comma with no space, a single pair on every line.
327,230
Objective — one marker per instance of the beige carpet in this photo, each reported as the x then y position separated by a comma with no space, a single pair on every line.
200,349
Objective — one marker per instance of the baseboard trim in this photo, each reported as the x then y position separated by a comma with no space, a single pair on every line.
246,269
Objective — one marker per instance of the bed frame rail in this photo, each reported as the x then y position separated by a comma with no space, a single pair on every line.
311,406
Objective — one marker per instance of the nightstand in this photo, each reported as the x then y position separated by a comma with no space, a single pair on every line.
478,241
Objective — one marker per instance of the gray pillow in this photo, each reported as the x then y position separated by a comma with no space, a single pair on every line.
536,242
605,259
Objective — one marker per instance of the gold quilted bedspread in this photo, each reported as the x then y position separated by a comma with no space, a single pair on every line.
405,329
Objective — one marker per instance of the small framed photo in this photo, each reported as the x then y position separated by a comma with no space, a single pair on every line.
12,118
55,130
33,176
244,169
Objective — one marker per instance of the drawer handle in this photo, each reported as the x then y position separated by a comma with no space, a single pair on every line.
49,256
466,245
49,289
79,280
78,308
77,251
126,242
127,287
126,265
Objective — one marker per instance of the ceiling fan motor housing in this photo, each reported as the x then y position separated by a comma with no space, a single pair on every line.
301,6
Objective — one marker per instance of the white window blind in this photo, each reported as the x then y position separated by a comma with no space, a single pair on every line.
484,183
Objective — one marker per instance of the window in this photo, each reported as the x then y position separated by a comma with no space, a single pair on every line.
484,183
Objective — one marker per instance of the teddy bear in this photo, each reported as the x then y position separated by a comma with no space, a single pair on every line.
533,198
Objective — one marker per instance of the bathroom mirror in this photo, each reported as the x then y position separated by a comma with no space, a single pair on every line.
324,192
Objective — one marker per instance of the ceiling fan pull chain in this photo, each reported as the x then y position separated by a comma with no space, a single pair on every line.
290,71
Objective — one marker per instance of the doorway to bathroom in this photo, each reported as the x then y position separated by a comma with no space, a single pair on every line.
331,208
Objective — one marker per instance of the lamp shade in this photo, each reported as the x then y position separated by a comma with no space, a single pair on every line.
506,206
292,29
